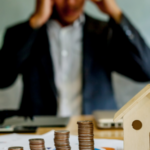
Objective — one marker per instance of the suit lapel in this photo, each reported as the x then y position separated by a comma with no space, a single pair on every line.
86,62
87,46
93,33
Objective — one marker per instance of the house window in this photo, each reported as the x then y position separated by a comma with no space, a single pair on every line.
137,125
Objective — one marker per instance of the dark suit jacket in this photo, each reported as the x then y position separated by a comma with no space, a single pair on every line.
107,47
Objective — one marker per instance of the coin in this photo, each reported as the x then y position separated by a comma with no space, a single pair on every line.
85,137
63,148
15,148
86,146
37,146
61,144
85,122
85,125
83,148
85,129
60,140
36,141
57,136
86,143
85,132
63,132
87,140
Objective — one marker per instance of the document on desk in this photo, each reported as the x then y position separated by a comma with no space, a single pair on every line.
23,140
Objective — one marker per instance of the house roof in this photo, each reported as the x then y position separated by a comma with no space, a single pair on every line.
129,105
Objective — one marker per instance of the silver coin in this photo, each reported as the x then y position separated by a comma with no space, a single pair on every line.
61,140
37,146
37,149
86,146
85,126
62,144
15,148
86,143
85,132
36,141
63,148
85,122
85,137
64,132
61,137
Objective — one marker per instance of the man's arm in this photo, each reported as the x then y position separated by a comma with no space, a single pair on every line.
18,42
128,53
17,45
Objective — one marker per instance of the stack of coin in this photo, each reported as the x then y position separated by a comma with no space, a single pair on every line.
61,140
15,148
85,135
37,144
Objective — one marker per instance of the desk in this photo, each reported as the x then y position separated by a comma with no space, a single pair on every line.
73,128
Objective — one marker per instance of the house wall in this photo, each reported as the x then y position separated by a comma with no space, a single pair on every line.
137,139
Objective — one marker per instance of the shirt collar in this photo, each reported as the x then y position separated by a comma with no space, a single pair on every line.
76,23
79,21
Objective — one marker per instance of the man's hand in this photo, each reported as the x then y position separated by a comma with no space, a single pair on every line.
44,10
110,8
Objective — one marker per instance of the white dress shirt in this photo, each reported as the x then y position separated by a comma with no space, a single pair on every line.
66,52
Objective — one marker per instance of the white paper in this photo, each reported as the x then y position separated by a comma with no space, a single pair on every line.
23,140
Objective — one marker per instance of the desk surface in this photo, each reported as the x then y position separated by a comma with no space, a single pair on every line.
73,128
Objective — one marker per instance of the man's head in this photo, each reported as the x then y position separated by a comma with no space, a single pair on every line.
67,11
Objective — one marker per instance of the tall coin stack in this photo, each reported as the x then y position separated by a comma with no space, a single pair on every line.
61,140
37,144
85,135
15,148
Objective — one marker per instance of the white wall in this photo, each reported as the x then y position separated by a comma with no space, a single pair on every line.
14,11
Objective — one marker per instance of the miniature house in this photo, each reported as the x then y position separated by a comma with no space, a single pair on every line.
136,121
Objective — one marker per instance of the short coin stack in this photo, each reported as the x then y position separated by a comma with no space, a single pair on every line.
15,148
37,144
85,135
61,140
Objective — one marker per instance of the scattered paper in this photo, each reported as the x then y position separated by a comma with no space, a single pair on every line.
23,140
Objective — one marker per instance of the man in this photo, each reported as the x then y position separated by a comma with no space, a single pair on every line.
66,57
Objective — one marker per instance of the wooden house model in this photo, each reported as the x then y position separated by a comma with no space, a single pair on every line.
136,121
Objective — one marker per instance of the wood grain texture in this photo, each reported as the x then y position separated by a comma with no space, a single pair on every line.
131,104
137,139
136,121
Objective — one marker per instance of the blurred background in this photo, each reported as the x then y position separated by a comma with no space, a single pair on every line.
15,11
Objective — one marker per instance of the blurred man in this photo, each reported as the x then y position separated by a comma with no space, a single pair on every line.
66,57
